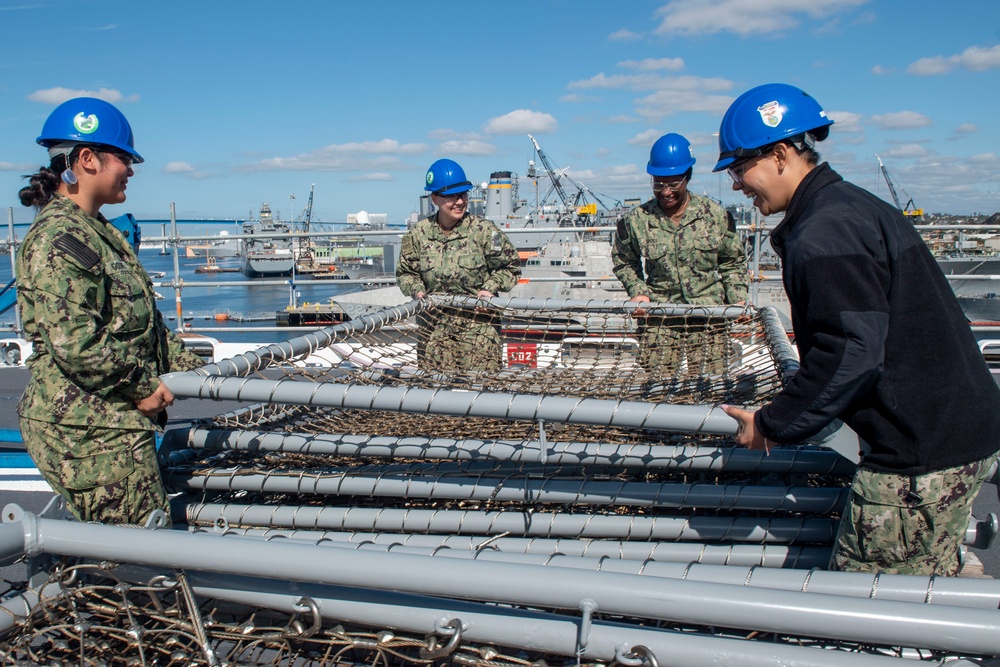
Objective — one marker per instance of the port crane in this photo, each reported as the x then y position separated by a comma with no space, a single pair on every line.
908,209
555,175
305,254
579,203
306,217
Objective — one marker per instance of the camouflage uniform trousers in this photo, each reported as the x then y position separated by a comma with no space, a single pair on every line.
886,529
666,342
106,475
459,342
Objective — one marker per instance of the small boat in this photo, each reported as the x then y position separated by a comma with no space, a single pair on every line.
212,266
332,272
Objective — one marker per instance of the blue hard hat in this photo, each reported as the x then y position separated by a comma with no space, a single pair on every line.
671,155
88,120
766,115
445,177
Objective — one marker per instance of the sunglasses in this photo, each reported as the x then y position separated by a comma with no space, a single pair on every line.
123,157
455,197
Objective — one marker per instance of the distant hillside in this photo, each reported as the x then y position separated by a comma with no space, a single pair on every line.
947,219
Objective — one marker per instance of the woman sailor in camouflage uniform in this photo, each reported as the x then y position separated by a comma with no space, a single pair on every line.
455,252
94,401
679,248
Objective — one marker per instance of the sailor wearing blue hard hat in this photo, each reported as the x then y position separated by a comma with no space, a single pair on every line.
455,252
883,344
679,248
671,162
757,122
95,400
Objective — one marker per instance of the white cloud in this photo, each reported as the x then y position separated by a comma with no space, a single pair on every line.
473,147
645,138
60,95
901,120
685,93
23,167
967,128
375,176
985,159
574,98
668,102
382,147
624,35
178,168
629,176
321,161
521,121
744,17
652,81
905,151
622,118
846,121
654,64
615,81
447,134
878,70
373,156
670,94
973,58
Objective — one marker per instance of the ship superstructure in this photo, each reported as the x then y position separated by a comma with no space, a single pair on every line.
266,253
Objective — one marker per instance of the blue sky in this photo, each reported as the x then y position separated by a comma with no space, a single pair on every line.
236,103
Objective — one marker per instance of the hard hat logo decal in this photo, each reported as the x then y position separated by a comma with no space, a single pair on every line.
85,124
770,113
430,177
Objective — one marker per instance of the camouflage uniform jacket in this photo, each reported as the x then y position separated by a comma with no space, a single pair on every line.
476,255
89,310
698,260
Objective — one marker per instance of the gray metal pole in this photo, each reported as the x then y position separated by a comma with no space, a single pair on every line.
772,530
602,412
949,591
17,607
739,555
516,487
881,622
243,364
595,305
804,460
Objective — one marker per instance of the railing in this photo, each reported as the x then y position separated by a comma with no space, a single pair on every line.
175,241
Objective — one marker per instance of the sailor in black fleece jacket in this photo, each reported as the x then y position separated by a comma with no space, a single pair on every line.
883,344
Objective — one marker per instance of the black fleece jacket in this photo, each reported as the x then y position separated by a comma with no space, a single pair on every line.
883,344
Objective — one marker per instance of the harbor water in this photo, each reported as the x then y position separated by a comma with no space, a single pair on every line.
228,309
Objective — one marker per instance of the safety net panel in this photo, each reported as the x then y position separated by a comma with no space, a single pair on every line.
659,353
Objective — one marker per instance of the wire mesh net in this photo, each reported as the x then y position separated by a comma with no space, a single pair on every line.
487,469
680,355
394,470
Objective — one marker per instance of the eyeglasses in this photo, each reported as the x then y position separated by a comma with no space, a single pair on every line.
455,197
737,169
123,157
675,186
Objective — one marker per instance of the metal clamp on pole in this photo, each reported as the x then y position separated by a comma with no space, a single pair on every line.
435,652
636,656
